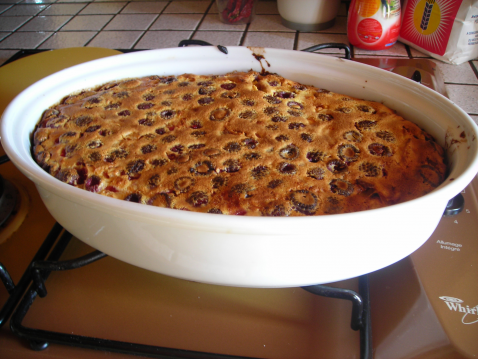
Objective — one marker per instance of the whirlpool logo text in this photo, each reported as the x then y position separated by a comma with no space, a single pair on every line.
470,314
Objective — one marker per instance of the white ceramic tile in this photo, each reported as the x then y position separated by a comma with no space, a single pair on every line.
224,38
142,7
116,39
187,7
4,34
212,22
45,23
11,23
340,26
398,49
90,22
5,55
11,1
309,39
458,74
103,8
465,96
162,39
279,40
131,22
40,1
62,40
24,40
70,1
177,22
24,10
268,23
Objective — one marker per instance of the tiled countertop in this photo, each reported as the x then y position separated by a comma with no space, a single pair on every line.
116,24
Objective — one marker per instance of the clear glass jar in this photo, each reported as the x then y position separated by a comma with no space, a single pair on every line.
236,12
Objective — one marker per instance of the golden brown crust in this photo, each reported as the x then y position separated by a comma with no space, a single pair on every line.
243,143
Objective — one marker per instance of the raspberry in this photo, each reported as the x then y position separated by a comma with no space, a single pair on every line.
92,128
279,119
198,133
167,114
259,172
295,105
316,173
284,94
287,168
145,106
205,101
248,102
341,187
92,183
290,152
344,109
336,166
348,153
183,184
271,110
274,184
306,137
315,156
95,144
204,168
282,138
218,182
215,211
153,181
124,113
252,156
231,166
378,149
169,139
367,109
197,146
325,117
353,136
148,149
249,143
304,201
148,97
83,120
196,124
232,147
246,115
228,86
370,169
296,126
385,135
198,199
206,90
146,122
365,125
272,100
133,197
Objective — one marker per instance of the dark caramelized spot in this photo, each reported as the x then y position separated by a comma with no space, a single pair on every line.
198,199
183,184
211,152
353,136
287,168
316,173
336,166
304,201
378,149
341,187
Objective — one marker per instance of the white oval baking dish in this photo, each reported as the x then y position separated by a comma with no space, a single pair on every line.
240,250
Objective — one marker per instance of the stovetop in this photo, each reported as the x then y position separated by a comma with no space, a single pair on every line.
422,306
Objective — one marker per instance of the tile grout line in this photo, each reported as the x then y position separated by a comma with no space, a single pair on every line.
149,27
